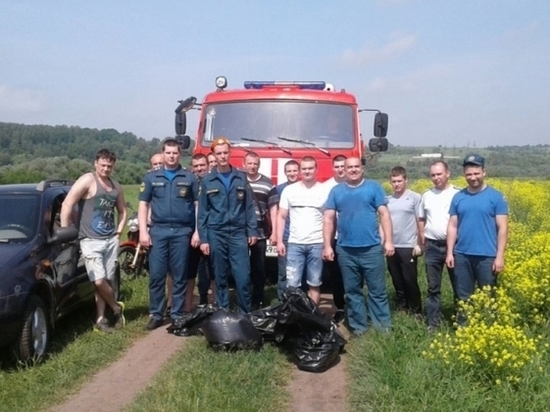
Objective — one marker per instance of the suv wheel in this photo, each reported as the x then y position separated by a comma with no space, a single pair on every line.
34,340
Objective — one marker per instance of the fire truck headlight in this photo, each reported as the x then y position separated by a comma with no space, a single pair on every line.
221,82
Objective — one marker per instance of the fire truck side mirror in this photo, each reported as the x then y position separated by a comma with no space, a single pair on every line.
381,125
181,123
378,144
181,118
184,141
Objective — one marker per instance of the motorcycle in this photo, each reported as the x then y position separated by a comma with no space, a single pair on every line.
132,258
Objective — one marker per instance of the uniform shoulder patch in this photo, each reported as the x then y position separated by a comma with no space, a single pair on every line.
142,187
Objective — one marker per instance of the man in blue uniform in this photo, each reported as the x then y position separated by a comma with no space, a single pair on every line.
171,192
227,225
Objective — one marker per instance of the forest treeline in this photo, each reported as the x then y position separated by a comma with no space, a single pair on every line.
530,161
30,153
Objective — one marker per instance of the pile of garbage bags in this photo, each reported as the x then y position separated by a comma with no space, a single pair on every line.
296,322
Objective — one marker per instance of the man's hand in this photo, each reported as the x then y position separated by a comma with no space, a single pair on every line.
389,249
145,240
450,260
328,253
195,240
252,240
281,250
273,239
498,265
205,249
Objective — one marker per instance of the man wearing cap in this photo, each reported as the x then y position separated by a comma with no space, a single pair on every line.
227,225
477,232
171,192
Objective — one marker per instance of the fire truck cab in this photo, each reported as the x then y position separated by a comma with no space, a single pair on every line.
282,120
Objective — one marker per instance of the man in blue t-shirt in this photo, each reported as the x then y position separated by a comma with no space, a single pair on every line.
359,203
477,232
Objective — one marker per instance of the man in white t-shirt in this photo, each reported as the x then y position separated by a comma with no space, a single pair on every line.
304,202
336,282
434,217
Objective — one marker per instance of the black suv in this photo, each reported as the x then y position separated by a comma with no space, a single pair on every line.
42,276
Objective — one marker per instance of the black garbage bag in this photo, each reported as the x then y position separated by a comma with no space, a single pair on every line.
266,320
190,323
299,309
317,351
226,330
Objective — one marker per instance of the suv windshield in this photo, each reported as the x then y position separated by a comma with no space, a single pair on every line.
19,217
325,125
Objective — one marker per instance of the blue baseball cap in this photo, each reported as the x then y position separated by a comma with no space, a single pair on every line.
474,159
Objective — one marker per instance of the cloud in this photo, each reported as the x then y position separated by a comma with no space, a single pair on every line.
370,55
20,100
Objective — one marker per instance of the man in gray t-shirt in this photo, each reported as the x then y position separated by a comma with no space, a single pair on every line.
404,206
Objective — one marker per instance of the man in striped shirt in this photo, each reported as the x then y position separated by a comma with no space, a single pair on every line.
264,206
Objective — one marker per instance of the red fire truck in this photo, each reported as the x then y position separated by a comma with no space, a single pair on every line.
282,120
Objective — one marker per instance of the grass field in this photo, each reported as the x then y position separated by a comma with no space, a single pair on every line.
77,353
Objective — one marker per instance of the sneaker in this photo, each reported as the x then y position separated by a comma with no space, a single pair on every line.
120,320
154,324
103,326
339,316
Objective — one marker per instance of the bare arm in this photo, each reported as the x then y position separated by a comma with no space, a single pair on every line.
121,208
273,210
387,229
502,240
328,226
195,240
328,234
79,190
143,209
421,223
451,240
281,221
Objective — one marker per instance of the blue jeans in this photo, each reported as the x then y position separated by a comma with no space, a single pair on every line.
365,265
229,253
469,270
434,258
169,253
308,256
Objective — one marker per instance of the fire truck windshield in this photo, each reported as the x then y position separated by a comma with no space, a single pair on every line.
323,124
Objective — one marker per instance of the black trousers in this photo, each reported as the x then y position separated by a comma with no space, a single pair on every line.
404,275
257,271
336,281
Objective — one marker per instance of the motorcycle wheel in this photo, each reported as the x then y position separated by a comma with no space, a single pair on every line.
125,258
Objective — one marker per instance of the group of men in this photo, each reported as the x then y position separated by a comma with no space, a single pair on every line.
215,220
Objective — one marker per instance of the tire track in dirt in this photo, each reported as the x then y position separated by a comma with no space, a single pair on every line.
114,387
317,392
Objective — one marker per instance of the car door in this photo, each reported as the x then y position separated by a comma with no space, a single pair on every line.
71,282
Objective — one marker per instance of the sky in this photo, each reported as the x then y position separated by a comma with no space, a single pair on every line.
450,73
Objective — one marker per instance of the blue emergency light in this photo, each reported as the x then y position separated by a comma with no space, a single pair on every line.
301,84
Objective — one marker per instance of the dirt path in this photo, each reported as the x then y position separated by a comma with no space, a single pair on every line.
114,387
317,392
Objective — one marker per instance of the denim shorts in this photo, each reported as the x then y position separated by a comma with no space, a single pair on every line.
310,256
100,257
